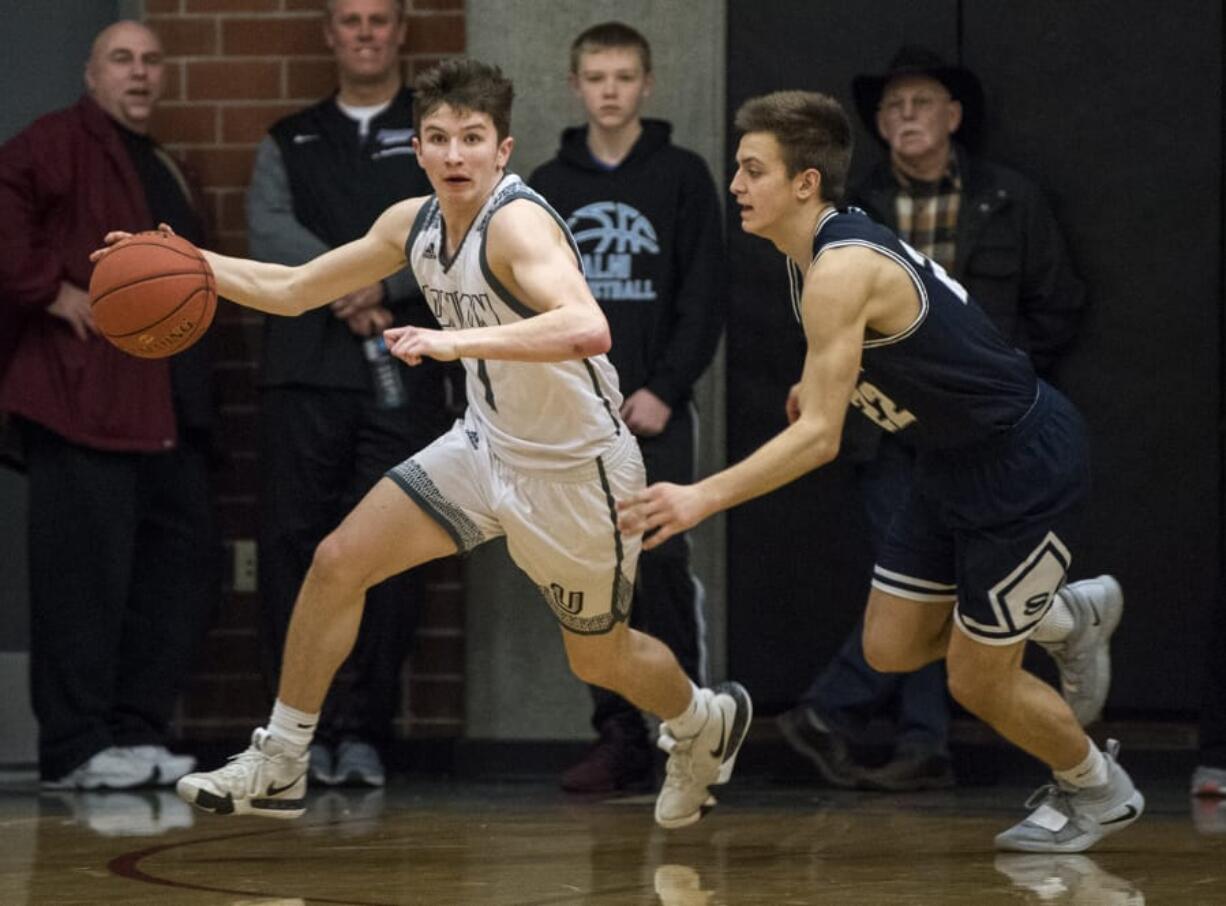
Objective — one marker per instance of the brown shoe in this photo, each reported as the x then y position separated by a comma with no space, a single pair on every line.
621,760
911,769
809,736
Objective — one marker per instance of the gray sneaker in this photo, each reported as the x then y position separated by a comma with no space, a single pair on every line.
1053,877
1208,781
358,764
263,780
1070,819
322,765
1084,657
700,762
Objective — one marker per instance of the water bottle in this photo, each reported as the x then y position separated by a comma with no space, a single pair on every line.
384,376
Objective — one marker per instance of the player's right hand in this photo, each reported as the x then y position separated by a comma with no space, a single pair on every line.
72,305
114,237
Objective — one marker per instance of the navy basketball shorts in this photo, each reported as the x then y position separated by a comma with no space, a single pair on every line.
991,528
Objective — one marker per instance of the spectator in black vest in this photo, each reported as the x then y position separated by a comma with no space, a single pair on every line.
989,228
123,552
336,412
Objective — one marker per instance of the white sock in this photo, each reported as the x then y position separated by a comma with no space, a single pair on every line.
1057,623
292,727
691,720
1091,772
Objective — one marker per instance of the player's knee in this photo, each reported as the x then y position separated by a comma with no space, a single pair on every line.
334,562
884,655
594,664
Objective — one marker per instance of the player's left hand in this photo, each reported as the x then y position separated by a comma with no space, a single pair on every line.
411,344
660,511
645,414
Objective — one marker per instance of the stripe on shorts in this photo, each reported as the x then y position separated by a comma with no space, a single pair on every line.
912,588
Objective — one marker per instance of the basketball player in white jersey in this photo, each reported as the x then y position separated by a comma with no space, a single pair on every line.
541,455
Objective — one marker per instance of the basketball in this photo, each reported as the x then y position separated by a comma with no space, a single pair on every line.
153,295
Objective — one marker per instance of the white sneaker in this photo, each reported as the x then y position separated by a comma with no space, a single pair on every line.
1069,819
1084,656
700,762
680,885
113,768
170,767
263,780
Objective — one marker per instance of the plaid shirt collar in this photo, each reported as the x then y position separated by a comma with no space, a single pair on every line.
927,213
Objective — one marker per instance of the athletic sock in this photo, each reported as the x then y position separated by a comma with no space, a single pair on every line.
1091,772
690,721
293,728
1057,623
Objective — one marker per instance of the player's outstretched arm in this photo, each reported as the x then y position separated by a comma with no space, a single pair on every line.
530,256
283,290
834,313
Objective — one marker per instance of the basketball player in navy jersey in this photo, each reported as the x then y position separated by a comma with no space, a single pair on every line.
975,556
539,457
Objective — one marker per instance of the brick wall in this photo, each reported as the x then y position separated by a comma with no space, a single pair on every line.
233,67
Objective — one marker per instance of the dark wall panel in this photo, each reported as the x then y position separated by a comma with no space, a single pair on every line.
798,559
1117,114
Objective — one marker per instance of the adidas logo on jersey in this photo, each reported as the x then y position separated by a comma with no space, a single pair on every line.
429,252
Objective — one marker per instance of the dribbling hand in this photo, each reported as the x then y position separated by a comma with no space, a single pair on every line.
113,238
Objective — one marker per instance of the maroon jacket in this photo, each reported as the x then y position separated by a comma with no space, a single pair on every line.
64,182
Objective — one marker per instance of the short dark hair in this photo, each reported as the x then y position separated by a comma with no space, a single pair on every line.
812,131
465,85
606,36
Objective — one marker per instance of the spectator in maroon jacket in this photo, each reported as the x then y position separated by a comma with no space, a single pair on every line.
123,556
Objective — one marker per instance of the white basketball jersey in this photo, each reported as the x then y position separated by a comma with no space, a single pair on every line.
536,415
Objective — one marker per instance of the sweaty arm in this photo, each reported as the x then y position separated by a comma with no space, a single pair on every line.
283,290
528,254
835,308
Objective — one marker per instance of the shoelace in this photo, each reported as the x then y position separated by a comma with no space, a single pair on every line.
236,775
1051,794
680,766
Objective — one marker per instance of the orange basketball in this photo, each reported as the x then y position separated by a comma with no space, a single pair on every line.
153,295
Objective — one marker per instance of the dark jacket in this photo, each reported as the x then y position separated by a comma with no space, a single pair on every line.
317,186
1011,256
650,234
64,182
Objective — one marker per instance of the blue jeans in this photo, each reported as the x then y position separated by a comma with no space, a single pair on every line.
849,693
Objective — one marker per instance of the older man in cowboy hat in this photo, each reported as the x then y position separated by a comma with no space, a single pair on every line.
991,229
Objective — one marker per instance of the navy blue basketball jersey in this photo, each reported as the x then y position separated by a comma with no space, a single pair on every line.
950,378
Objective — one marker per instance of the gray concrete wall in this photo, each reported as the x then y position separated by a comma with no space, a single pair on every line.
518,684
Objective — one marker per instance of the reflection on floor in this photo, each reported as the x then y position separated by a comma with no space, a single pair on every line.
439,842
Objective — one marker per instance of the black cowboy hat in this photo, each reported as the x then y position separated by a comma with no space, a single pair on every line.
962,84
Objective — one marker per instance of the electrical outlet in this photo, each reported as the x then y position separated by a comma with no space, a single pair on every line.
246,573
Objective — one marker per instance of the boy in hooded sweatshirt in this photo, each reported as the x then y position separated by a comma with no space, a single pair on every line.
646,216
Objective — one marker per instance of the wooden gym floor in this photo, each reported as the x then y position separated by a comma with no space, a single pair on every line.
428,840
